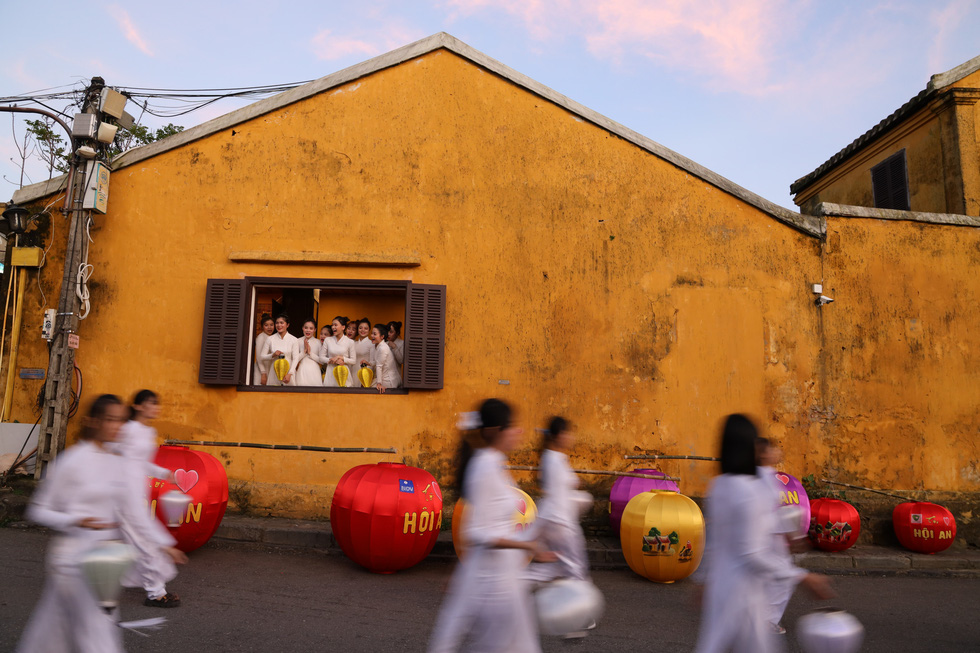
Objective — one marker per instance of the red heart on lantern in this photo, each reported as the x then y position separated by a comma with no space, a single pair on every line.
946,520
185,479
783,478
521,506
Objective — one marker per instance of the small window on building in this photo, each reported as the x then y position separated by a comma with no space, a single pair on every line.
233,310
890,183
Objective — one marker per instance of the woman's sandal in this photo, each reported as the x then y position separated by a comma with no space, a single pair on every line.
168,600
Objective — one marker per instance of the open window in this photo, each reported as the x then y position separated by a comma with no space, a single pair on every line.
233,308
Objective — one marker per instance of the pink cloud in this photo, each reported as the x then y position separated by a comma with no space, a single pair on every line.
328,46
129,30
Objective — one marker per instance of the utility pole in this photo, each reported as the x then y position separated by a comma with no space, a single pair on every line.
61,365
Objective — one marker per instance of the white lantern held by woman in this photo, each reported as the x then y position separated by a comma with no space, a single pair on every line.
103,565
174,505
829,630
568,605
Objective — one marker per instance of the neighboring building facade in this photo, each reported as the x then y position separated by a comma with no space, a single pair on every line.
535,251
925,157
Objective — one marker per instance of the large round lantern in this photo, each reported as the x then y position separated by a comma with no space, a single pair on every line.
834,524
923,527
792,494
386,517
627,487
525,512
662,534
201,477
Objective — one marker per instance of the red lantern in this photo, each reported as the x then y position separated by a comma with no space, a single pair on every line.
386,517
834,524
200,476
923,527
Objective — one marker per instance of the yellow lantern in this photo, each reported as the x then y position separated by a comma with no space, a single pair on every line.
662,535
525,512
281,367
366,376
341,373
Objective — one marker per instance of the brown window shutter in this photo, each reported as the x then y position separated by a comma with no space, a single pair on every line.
889,183
425,336
222,339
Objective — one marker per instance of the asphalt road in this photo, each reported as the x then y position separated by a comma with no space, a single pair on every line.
248,599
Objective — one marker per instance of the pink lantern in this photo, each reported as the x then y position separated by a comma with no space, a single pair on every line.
627,487
791,493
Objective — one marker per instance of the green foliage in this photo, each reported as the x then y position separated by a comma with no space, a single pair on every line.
674,537
127,139
50,145
654,532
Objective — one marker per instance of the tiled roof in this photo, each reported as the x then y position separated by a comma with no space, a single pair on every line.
936,83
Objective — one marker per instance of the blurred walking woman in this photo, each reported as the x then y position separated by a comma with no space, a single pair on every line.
338,349
84,499
740,567
559,509
137,444
487,607
307,357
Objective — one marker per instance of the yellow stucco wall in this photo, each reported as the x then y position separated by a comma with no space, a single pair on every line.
921,136
596,279
903,354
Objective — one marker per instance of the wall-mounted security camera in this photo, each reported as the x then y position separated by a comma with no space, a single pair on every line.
823,299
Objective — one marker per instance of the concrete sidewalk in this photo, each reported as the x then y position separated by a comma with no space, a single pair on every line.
606,553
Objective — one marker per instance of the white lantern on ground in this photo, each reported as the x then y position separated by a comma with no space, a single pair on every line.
102,566
568,605
829,630
174,504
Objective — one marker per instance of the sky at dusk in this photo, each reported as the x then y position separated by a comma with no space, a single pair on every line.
760,91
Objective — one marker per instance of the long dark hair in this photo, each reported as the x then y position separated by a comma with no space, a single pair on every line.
97,411
383,330
495,415
556,426
141,398
397,326
738,445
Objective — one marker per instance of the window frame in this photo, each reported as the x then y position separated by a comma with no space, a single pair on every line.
429,341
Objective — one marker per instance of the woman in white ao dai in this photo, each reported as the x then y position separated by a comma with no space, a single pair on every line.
395,343
363,349
337,349
84,499
281,343
739,565
487,607
260,371
307,357
386,374
559,509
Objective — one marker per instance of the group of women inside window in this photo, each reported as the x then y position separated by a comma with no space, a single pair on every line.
348,354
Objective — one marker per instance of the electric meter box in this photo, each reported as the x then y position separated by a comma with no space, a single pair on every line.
96,187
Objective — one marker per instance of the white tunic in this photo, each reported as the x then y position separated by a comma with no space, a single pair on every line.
333,346
85,481
363,351
558,521
397,347
286,344
740,523
781,591
137,444
385,368
307,370
487,604
261,366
